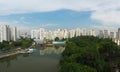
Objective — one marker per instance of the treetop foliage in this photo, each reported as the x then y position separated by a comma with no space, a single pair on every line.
89,54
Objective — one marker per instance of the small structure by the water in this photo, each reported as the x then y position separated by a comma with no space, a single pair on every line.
27,51
59,42
38,41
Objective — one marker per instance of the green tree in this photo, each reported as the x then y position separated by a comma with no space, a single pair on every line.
93,52
57,39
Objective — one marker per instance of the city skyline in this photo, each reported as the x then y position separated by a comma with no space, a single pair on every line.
54,14
43,34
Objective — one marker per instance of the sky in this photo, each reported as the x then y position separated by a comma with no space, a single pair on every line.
63,14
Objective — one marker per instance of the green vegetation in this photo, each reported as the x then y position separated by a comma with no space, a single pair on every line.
23,43
58,39
89,54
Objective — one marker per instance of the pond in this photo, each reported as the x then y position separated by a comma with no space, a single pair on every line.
41,60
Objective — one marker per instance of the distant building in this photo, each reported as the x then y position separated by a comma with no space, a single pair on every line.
38,41
106,35
112,35
92,32
116,35
78,32
72,33
101,34
34,34
14,33
41,33
83,32
8,33
119,33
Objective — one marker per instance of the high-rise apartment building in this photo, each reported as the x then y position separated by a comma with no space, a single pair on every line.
116,35
106,35
60,33
13,33
66,33
7,33
78,32
84,32
34,34
119,33
72,33
92,32
101,34
111,35
42,33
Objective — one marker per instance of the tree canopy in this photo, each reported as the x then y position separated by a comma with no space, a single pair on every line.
89,54
23,43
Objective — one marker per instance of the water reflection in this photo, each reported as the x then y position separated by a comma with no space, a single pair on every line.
26,55
41,60
6,62
52,50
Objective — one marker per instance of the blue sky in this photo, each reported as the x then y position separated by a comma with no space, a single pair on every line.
54,14
51,20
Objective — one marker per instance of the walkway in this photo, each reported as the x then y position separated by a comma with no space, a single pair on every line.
11,53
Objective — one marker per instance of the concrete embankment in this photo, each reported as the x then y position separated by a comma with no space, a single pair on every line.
11,53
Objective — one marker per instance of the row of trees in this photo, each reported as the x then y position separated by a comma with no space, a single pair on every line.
89,54
23,43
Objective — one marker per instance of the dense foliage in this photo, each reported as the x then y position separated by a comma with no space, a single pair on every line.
23,43
89,54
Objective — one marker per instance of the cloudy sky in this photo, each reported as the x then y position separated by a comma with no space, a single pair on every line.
53,14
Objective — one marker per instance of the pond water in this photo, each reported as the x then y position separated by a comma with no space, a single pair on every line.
41,60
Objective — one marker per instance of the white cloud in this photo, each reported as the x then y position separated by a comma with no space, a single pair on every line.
8,23
108,13
26,6
24,29
49,25
106,27
105,11
108,17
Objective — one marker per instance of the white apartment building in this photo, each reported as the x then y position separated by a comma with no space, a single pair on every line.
60,33
34,34
66,33
84,32
8,33
92,32
78,32
112,35
72,33
42,33
106,34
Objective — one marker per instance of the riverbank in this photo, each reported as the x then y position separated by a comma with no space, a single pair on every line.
12,48
12,53
9,46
